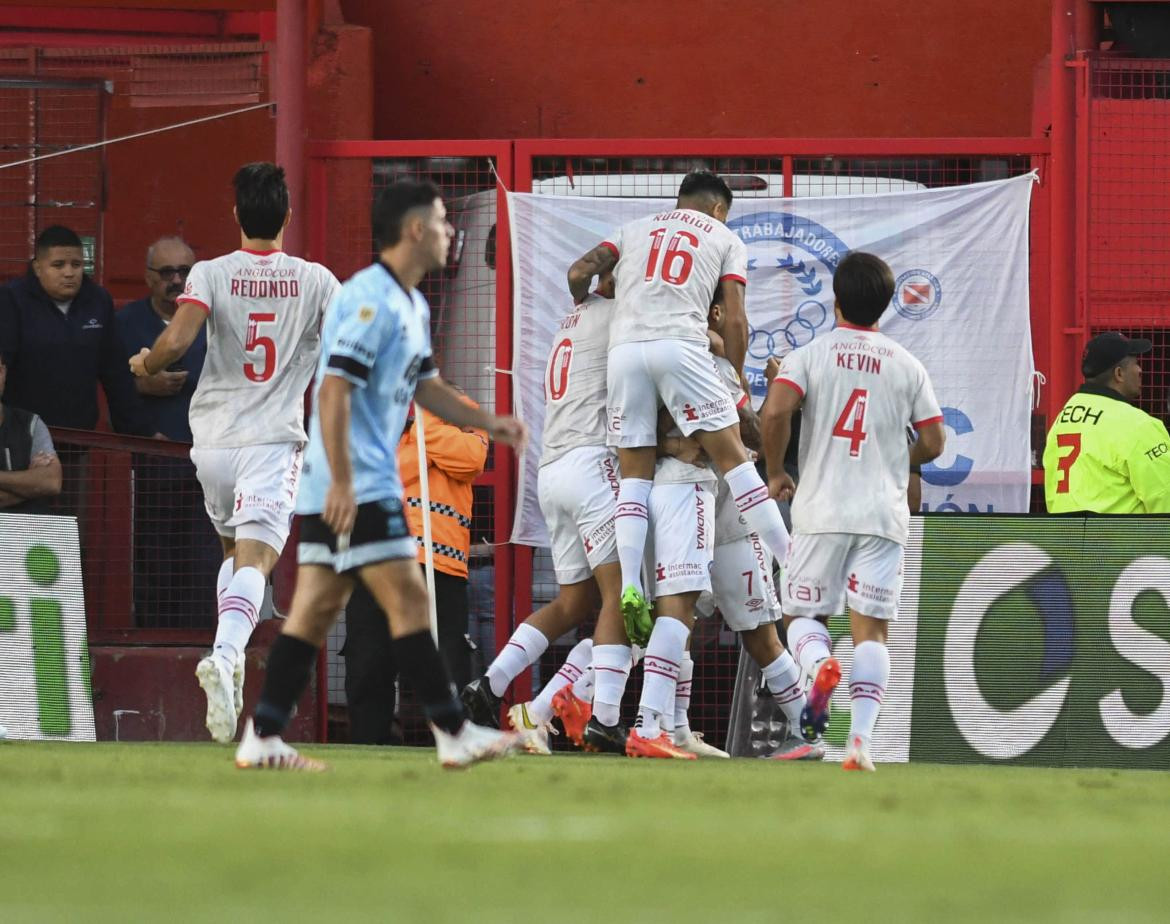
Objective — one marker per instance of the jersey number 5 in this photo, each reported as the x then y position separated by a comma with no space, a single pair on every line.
257,342
850,424
677,263
1071,442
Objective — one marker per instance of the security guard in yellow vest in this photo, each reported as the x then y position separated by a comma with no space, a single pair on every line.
1103,455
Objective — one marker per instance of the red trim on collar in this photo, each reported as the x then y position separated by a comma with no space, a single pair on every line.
260,253
848,326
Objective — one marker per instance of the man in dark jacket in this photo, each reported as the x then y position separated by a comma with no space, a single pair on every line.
58,337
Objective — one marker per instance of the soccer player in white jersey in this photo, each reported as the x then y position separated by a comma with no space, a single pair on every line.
669,267
858,390
376,357
263,311
577,486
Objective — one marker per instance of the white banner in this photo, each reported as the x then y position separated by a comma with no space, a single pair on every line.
44,655
960,259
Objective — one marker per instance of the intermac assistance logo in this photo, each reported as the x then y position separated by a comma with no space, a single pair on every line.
917,294
791,264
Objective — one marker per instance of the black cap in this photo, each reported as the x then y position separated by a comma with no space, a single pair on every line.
1106,350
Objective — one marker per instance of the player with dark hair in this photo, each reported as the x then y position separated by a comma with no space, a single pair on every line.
263,310
376,359
859,390
669,268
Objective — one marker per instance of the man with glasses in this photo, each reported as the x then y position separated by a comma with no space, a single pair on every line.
176,555
166,393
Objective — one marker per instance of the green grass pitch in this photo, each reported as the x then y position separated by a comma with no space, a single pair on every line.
169,832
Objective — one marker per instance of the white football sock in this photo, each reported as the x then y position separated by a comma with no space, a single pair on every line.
809,642
523,650
583,685
867,687
760,511
611,666
664,654
782,677
226,572
571,671
631,521
682,698
239,611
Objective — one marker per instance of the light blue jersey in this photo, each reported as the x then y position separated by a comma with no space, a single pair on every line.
377,337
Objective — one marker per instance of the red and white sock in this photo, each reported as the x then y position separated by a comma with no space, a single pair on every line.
782,678
583,685
809,642
523,650
574,668
239,611
760,510
867,687
631,520
660,669
611,669
226,572
682,698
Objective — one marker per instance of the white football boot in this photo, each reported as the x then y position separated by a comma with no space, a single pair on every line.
471,744
533,734
256,753
693,743
858,757
215,676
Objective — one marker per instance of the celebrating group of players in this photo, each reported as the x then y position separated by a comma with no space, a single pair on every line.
648,461
645,377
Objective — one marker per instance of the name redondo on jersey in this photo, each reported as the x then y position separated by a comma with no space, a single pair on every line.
266,288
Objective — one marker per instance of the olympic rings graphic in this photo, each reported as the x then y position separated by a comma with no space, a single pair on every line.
803,327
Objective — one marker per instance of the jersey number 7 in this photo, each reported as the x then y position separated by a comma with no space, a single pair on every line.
850,424
1071,442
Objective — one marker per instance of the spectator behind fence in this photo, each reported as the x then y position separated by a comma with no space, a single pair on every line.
455,458
166,394
29,470
58,337
1103,455
176,552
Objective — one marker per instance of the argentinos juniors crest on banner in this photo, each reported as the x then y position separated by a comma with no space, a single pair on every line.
960,261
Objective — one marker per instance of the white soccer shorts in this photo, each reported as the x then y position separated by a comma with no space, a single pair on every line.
681,516
578,496
825,571
741,580
680,373
250,492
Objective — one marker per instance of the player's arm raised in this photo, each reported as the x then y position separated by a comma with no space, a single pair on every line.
444,401
173,342
601,258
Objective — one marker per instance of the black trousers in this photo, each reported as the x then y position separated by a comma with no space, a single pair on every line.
370,666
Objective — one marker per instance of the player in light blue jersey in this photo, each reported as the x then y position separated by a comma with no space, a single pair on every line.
376,358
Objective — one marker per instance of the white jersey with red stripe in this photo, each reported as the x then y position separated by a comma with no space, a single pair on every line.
574,380
860,391
669,267
264,312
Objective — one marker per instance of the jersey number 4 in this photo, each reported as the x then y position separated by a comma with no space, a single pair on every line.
255,342
1071,442
850,424
677,262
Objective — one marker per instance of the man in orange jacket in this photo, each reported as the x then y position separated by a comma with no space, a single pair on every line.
455,458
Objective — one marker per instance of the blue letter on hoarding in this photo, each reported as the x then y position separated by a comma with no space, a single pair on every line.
958,423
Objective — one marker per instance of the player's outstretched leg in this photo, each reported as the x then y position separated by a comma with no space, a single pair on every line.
603,731
684,736
261,748
811,645
631,524
867,689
